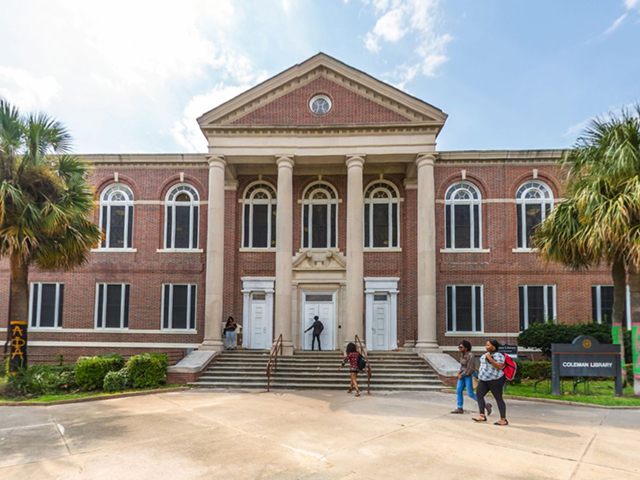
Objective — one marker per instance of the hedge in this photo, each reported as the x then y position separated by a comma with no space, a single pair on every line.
116,381
90,371
43,380
542,335
147,369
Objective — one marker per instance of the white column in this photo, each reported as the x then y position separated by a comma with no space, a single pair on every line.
284,253
215,256
427,336
355,261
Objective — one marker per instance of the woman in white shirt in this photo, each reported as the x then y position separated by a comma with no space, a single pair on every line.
491,379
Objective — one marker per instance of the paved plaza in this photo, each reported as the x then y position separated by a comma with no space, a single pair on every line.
313,435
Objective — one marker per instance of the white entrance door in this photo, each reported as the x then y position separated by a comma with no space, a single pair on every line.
323,306
380,322
259,322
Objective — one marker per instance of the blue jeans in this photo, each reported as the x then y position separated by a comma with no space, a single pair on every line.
231,339
465,382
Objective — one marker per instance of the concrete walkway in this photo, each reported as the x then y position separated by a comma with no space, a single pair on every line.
313,435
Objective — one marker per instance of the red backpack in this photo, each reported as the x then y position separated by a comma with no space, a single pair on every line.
510,367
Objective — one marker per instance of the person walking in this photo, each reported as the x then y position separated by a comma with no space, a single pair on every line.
465,376
318,327
352,359
230,333
491,379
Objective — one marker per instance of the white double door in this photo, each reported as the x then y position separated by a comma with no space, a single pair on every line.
323,306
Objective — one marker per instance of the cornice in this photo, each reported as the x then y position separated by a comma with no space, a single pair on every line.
343,129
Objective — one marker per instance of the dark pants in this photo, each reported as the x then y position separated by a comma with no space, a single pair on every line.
313,342
495,387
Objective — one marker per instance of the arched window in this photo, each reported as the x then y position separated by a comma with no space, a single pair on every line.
534,202
381,226
182,209
259,223
116,216
463,217
319,216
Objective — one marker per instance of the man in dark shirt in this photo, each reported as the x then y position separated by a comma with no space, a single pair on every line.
317,330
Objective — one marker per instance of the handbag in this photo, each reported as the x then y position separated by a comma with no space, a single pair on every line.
474,380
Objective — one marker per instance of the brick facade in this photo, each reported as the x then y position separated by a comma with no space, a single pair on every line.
497,175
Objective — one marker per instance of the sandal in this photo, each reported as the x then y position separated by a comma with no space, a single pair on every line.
483,419
502,424
349,391
357,393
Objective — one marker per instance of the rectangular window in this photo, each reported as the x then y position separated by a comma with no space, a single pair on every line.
46,301
462,233
112,305
178,307
305,226
537,304
465,308
260,226
602,305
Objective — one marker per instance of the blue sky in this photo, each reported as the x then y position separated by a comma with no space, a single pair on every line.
132,76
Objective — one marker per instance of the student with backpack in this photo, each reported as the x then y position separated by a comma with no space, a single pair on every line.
318,327
492,378
352,358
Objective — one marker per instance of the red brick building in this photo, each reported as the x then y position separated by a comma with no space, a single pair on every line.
322,193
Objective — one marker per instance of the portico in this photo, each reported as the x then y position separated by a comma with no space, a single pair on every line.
318,171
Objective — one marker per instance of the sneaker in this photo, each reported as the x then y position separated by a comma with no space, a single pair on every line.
457,410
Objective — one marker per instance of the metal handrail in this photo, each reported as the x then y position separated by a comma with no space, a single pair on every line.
363,351
273,359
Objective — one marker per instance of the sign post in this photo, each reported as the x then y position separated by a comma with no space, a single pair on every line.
18,344
585,357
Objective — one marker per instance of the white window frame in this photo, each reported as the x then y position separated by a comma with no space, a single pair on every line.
474,301
170,299
627,303
39,307
392,200
544,199
249,199
546,302
170,203
332,199
104,306
107,200
450,200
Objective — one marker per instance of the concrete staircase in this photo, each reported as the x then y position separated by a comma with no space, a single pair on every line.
246,369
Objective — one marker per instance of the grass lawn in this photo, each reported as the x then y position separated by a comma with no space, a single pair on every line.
599,393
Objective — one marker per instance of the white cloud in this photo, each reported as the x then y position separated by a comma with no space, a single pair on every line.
186,132
614,26
630,4
27,91
398,19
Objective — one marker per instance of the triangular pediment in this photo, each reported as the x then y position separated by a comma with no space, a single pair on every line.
356,99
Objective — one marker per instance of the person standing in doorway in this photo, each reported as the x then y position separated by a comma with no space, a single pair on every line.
352,359
317,327
230,333
465,376
491,379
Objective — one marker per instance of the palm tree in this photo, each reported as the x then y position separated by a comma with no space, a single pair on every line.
600,221
45,202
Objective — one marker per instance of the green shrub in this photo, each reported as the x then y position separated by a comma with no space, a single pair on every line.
43,380
542,335
90,371
534,370
116,381
147,369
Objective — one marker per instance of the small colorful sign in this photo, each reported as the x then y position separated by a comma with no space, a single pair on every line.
18,346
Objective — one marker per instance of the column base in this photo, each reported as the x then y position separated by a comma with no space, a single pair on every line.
212,345
287,348
427,346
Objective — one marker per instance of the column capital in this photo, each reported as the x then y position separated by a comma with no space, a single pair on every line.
285,161
355,161
425,159
217,161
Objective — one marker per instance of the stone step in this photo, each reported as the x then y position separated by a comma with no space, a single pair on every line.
320,386
334,360
419,369
399,377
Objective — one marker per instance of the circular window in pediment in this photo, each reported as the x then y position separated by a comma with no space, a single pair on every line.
320,104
